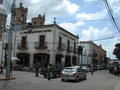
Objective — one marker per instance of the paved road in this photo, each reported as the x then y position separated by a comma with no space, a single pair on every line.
101,80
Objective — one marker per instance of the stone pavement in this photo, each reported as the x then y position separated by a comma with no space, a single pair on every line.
28,81
117,87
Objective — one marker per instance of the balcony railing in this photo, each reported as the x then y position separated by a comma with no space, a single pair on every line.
70,49
40,47
22,46
75,51
61,47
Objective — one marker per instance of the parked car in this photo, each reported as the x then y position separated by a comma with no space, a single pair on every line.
73,73
99,67
55,71
86,68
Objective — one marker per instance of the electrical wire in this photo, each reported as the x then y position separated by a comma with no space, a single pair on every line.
104,38
110,12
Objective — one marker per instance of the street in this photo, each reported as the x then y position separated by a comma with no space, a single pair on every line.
100,80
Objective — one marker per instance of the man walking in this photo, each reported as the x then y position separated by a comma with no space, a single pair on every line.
92,70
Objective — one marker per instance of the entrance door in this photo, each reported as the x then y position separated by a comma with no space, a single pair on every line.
24,59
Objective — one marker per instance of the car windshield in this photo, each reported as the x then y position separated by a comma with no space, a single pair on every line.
69,70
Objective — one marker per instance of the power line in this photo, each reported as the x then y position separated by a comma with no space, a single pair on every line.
105,38
110,12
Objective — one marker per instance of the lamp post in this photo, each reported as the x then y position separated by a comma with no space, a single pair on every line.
77,47
10,41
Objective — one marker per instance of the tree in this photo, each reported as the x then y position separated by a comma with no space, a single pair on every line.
80,52
116,51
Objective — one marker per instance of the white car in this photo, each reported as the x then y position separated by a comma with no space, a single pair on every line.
73,73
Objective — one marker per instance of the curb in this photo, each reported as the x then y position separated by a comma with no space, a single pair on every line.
7,79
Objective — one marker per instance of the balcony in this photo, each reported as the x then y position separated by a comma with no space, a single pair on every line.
61,47
40,47
75,51
22,46
70,49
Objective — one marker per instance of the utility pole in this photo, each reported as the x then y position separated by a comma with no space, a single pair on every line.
78,62
10,32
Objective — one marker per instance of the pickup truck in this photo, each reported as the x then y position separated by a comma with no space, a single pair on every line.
55,71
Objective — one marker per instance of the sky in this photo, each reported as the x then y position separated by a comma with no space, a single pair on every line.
87,18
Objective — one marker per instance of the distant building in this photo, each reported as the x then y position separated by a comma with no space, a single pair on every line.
92,53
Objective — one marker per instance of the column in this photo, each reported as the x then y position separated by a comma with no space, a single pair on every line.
31,60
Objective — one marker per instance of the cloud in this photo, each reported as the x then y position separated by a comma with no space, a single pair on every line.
72,27
71,8
35,1
3,9
89,0
59,8
93,33
92,16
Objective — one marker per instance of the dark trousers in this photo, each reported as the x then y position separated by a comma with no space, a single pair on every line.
1,70
36,72
92,72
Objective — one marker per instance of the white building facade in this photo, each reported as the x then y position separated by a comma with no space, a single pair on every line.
46,44
92,54
85,58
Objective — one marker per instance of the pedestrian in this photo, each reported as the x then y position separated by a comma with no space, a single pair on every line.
49,71
1,67
37,66
116,71
11,67
92,70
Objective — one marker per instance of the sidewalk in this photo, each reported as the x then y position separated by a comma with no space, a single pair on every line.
3,76
117,87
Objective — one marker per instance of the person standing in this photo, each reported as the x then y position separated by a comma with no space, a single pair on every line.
49,71
1,67
116,71
37,66
92,70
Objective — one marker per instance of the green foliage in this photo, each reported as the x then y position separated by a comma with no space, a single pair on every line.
116,51
80,50
95,54
37,66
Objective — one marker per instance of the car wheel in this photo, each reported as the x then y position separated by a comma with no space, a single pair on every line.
63,80
85,78
77,79
45,76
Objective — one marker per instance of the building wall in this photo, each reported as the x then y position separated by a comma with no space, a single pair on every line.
86,57
96,53
51,37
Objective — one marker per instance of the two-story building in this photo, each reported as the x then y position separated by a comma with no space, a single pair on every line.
46,44
37,42
92,53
